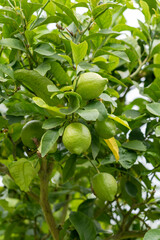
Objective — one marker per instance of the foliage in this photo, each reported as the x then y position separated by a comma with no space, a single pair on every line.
49,195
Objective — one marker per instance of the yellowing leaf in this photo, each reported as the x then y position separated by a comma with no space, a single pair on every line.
39,101
119,120
112,144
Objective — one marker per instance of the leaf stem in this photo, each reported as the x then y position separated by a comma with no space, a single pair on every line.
39,14
97,170
139,68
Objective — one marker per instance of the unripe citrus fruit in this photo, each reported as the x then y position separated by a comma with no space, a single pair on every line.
90,85
30,131
104,186
105,129
76,138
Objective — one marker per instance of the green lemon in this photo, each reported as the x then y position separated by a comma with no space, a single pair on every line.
90,85
76,138
105,129
32,129
104,186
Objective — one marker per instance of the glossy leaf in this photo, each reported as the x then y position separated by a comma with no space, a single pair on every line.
157,131
12,43
131,189
135,145
145,10
47,141
154,108
152,234
59,73
68,11
79,51
74,101
88,114
84,225
23,173
119,120
52,123
69,167
127,158
42,104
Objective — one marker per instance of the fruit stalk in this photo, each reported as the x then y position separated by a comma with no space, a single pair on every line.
44,179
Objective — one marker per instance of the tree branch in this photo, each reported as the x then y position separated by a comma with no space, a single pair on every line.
127,235
44,179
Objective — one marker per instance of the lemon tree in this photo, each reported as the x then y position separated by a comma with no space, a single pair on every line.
79,149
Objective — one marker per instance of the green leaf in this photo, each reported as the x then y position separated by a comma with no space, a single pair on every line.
80,4
155,47
154,108
113,79
99,106
23,108
44,49
68,11
44,21
157,131
97,11
135,145
119,120
50,7
52,38
95,145
59,73
104,21
131,189
153,234
67,58
74,100
7,70
121,55
52,123
12,43
29,8
8,20
3,122
145,11
84,225
144,28
101,33
105,97
153,90
127,158
15,131
47,141
69,167
79,51
37,83
56,111
152,5
23,173
88,114
43,68
156,61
